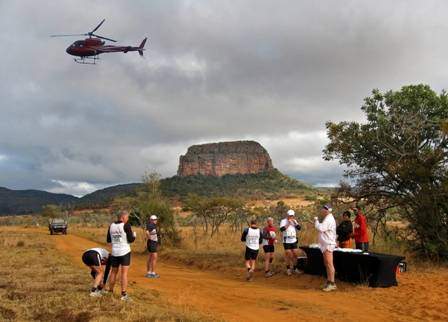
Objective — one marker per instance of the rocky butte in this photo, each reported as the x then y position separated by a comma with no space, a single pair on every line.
218,159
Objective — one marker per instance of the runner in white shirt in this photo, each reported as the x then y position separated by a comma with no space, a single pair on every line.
289,227
97,259
120,235
327,244
252,236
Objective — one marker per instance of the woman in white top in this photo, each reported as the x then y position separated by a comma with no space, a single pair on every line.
252,237
327,244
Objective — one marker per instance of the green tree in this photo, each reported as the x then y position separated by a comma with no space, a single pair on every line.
51,211
398,160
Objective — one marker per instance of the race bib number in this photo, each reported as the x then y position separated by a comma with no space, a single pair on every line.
116,238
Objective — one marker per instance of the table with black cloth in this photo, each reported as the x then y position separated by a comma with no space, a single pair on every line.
377,269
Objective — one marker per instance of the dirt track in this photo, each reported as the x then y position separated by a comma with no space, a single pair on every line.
420,296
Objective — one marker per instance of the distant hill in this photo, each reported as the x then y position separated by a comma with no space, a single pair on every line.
29,201
263,184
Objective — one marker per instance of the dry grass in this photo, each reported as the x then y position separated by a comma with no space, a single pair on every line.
39,284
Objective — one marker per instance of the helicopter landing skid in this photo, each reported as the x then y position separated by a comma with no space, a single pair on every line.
87,60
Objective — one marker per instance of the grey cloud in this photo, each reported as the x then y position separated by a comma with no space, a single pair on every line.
270,71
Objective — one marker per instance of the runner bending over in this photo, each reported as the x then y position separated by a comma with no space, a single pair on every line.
152,242
289,227
120,235
97,259
269,239
253,238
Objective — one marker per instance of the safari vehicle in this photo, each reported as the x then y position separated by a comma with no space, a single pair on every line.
57,225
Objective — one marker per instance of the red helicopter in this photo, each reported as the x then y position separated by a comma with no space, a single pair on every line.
88,49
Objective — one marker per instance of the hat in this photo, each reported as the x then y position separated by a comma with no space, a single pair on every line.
327,207
153,217
291,212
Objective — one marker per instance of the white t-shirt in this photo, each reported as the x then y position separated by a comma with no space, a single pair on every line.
104,254
290,234
253,238
327,233
120,245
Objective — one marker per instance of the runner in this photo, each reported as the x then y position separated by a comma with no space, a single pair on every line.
120,235
327,244
289,227
253,238
97,259
152,242
269,239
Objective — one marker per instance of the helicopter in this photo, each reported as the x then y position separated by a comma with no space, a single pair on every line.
87,51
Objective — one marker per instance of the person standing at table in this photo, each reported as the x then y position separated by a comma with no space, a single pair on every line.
327,244
360,232
345,231
289,228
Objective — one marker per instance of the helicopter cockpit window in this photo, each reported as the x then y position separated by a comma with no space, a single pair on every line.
78,43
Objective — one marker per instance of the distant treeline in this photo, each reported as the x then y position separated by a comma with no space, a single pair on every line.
267,184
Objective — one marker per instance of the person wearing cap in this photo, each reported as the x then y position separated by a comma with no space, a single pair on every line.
152,243
289,228
360,232
327,244
252,236
269,239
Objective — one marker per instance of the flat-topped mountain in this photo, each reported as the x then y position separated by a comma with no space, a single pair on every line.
219,159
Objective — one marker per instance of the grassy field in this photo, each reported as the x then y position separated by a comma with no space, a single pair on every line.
38,283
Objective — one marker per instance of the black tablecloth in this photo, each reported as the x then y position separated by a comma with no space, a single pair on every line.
377,269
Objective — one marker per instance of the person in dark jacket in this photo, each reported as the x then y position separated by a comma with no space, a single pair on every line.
345,231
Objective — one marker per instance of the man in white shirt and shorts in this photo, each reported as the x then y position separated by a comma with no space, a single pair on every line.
327,244
289,228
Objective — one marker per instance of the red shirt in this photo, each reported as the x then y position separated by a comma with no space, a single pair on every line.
268,229
360,231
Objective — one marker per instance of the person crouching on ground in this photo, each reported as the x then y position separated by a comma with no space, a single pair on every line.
345,231
97,259
253,238
269,240
327,244
120,235
289,228
152,242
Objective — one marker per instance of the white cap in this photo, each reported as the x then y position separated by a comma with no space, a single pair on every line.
291,212
153,217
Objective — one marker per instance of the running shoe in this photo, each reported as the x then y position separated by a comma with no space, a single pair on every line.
155,275
125,298
96,293
250,276
288,272
268,274
329,288
298,271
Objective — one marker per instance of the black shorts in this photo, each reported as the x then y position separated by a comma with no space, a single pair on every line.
363,246
91,258
124,260
290,245
152,246
250,254
268,248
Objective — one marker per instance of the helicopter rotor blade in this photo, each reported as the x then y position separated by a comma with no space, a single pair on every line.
104,38
96,28
71,35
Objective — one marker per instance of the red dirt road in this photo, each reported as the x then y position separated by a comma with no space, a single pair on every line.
420,295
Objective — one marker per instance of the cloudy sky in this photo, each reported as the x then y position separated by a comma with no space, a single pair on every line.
271,71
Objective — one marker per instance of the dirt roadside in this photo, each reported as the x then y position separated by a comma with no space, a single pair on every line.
420,296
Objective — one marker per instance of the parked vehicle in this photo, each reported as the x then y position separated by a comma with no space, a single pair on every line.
57,225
